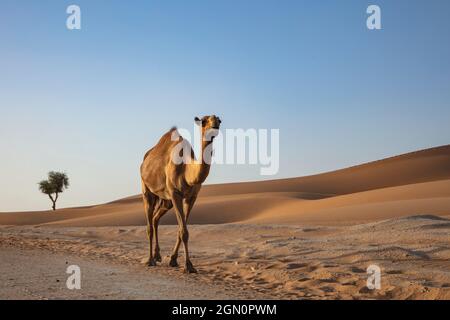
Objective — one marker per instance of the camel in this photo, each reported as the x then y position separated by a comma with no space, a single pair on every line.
167,183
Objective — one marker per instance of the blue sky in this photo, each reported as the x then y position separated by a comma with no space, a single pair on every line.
91,102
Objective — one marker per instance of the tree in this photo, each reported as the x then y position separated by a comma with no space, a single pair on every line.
54,185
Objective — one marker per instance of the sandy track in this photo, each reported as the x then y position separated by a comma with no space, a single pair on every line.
264,261
39,274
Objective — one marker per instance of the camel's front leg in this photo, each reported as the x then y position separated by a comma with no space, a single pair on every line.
187,207
183,234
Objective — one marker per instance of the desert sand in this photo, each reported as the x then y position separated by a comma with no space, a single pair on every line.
302,238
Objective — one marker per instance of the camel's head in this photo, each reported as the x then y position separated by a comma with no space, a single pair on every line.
209,122
210,126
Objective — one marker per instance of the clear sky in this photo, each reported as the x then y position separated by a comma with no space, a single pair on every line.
91,102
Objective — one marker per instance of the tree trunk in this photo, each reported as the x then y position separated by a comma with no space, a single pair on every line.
53,201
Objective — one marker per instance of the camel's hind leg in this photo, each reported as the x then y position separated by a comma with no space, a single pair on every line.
149,205
163,207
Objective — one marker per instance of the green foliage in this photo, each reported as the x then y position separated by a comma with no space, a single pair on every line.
56,183
46,187
58,180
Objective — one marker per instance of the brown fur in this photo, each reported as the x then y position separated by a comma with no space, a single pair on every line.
166,184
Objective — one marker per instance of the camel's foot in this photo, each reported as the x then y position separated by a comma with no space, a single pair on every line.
151,262
189,268
173,262
158,256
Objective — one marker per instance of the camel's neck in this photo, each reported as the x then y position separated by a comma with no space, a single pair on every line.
197,171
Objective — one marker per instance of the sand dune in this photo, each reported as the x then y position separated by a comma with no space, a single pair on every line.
420,166
408,184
